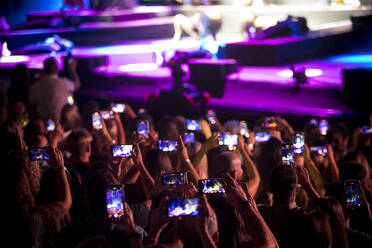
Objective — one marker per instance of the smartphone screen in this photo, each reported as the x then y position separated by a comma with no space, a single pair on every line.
211,186
122,150
189,138
107,114
114,202
269,123
299,143
118,107
141,111
173,179
96,121
243,129
193,125
50,125
321,150
262,137
313,122
288,154
38,154
183,207
323,127
367,130
143,128
211,117
168,145
228,139
352,191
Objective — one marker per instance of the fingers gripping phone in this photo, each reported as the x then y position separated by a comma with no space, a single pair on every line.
122,150
183,207
143,129
288,154
96,121
193,125
168,145
115,202
299,143
38,154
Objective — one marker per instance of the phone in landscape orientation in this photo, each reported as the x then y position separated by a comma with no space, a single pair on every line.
170,179
189,138
262,137
321,150
211,186
243,129
183,207
323,127
143,128
269,123
115,202
107,114
211,117
38,153
367,130
118,107
193,125
51,125
228,139
299,143
352,192
313,122
168,145
96,121
288,154
122,150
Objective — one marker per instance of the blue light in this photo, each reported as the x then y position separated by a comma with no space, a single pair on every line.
362,59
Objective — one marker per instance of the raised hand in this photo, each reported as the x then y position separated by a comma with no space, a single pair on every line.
233,191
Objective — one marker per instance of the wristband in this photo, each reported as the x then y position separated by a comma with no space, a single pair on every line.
59,167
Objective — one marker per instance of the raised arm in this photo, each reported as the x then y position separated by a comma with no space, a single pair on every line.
185,157
209,144
332,164
120,128
314,173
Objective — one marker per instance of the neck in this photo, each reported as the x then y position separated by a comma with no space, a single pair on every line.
81,159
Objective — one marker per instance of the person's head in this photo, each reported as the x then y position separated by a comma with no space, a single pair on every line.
20,75
50,66
338,136
283,184
168,129
358,157
333,209
34,134
70,117
79,145
312,135
352,171
226,162
16,112
308,229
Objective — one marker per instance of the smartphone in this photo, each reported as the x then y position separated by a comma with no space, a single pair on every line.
211,186
299,143
243,129
228,139
143,128
211,117
121,150
288,154
189,138
115,202
193,125
107,114
313,122
323,127
51,125
173,179
168,145
269,123
367,130
142,111
321,150
183,207
96,120
118,107
70,99
38,154
262,137
352,192
24,119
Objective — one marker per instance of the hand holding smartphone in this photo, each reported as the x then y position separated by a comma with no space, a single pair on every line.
299,143
352,192
38,154
122,150
96,121
323,127
211,186
51,125
183,207
118,107
193,125
115,202
168,145
288,154
189,138
262,137
173,179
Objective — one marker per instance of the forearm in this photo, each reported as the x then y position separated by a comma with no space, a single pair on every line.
311,192
251,173
132,176
206,238
64,193
333,168
190,167
197,158
147,180
315,175
121,133
75,79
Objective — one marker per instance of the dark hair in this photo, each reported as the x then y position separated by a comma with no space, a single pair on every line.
88,109
352,171
50,65
283,183
78,141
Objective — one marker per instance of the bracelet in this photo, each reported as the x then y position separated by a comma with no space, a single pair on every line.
59,167
187,160
134,235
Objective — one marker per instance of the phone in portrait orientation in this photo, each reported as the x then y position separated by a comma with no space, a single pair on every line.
189,138
118,107
243,129
262,136
313,122
367,130
115,202
183,207
143,128
211,186
70,99
269,123
141,111
50,125
172,179
323,127
193,125
211,117
107,114
352,192
168,145
96,121
288,154
38,153
299,143
321,150
121,150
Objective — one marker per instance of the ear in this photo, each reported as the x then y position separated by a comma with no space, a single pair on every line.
216,237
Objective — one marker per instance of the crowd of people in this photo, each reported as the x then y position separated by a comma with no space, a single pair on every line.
58,197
